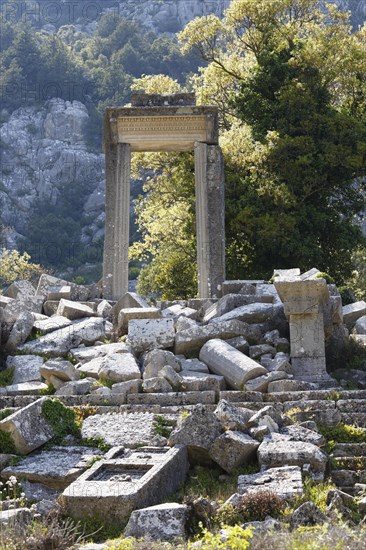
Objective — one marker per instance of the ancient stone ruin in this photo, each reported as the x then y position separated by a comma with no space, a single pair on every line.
164,123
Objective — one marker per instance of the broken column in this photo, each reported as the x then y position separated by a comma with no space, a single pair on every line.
303,302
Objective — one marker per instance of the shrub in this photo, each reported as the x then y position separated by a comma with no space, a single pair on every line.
257,505
15,266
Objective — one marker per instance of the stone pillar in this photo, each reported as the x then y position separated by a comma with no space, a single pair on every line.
115,261
303,304
210,219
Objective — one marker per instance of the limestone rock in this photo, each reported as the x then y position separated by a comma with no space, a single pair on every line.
307,515
144,335
76,387
26,368
171,376
127,429
157,359
127,314
194,365
59,292
253,313
50,324
156,385
199,381
20,288
233,417
131,386
64,370
286,482
20,331
233,449
161,522
261,382
234,366
299,433
60,342
119,367
128,300
198,431
278,450
353,312
86,354
73,310
26,388
27,427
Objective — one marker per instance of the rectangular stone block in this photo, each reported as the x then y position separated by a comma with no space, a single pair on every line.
147,334
172,399
128,314
307,335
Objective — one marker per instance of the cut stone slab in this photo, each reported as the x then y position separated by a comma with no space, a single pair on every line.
156,360
125,481
20,288
56,468
127,429
285,482
191,340
234,366
233,417
132,386
172,377
64,370
27,388
194,365
156,385
278,450
261,382
253,313
26,368
299,433
12,309
128,314
85,354
229,302
51,323
59,292
27,427
352,312
144,335
360,325
119,367
280,386
178,310
60,342
76,387
20,331
161,522
128,300
233,449
197,431
73,310
15,517
199,381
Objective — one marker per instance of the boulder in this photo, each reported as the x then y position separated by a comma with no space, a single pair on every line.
27,388
199,381
119,367
194,365
171,376
197,431
128,300
161,522
20,331
73,310
51,324
360,325
286,482
27,427
128,314
307,515
131,386
59,292
147,334
233,449
261,382
76,387
157,359
234,366
26,368
64,370
352,312
156,385
19,289
254,313
233,417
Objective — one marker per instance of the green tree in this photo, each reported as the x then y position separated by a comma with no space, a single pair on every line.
288,78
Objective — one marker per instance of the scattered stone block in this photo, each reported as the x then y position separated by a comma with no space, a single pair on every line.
194,365
269,411
299,433
255,352
85,354
59,292
173,399
353,312
114,487
234,366
156,360
50,308
131,386
27,427
161,522
20,289
60,342
128,314
64,370
278,450
253,313
286,482
233,417
73,310
308,515
119,367
240,344
261,382
15,517
144,335
177,310
26,388
104,309
51,324
26,368
127,429
233,449
280,386
197,431
199,381
56,468
76,387
20,331
172,377
156,385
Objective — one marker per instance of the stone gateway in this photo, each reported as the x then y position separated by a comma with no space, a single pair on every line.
164,123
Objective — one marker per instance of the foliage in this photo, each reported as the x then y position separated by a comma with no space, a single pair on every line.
343,433
294,135
62,419
4,413
156,84
82,412
6,377
163,426
257,505
6,443
15,266
231,537
96,442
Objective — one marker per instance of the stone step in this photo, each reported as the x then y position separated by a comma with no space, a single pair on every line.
349,450
313,395
355,463
352,406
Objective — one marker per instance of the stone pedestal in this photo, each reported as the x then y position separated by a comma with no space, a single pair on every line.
303,304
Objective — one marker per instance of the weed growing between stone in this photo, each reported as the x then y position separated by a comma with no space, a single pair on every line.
6,377
62,420
163,426
6,443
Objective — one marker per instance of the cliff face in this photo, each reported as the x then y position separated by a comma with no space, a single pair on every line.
44,154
